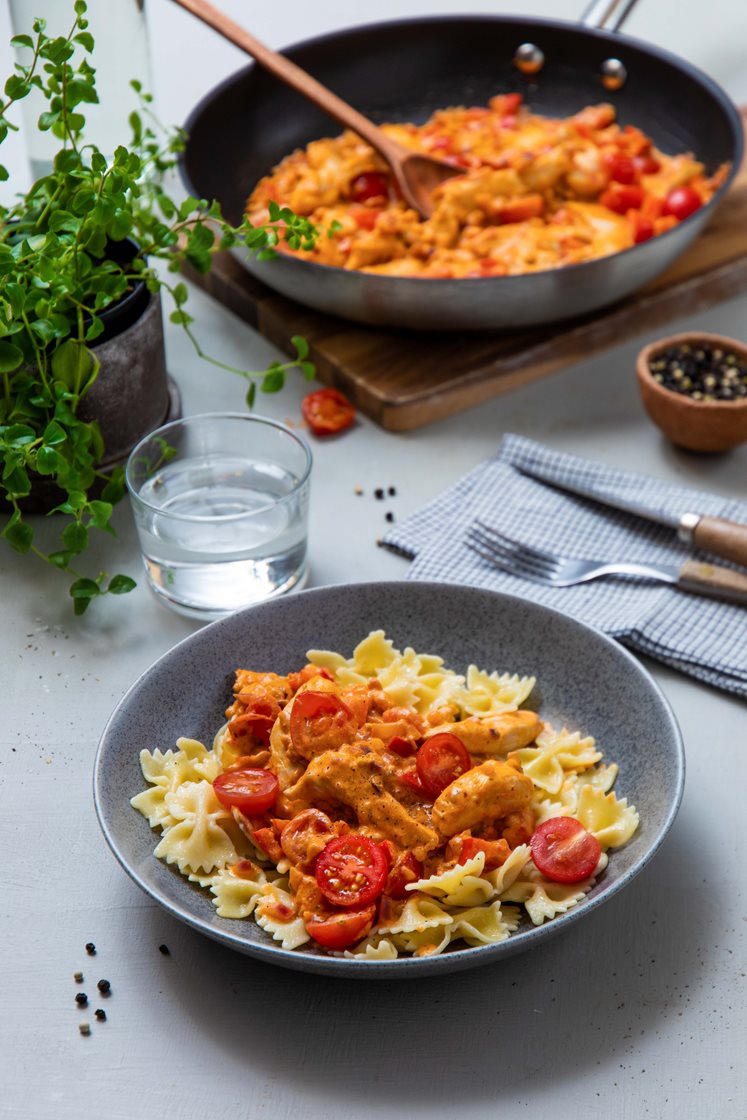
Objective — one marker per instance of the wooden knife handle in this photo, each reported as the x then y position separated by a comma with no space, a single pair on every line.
727,539
709,579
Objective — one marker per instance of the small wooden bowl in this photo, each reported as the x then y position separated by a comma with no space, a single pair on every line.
695,425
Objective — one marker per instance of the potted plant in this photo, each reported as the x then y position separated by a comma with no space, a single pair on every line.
79,296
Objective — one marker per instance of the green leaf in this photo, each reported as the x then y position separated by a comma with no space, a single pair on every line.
17,533
85,589
10,357
22,41
75,537
16,482
85,38
60,559
180,294
114,490
53,435
17,435
273,381
74,365
301,346
120,585
76,499
100,513
308,369
48,461
17,87
251,394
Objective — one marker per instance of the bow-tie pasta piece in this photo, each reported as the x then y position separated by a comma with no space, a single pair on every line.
198,840
166,771
276,913
487,694
237,890
556,753
461,885
612,821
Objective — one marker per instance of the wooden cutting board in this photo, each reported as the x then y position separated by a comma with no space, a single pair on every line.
403,380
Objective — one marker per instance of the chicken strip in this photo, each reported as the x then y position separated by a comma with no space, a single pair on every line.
497,734
364,777
487,792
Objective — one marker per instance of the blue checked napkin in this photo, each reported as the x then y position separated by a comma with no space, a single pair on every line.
697,635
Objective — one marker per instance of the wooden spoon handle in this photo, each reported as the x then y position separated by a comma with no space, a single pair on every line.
727,539
292,75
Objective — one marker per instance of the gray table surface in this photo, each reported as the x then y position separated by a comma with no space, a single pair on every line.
637,1011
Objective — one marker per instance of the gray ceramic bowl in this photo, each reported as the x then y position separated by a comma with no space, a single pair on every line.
585,680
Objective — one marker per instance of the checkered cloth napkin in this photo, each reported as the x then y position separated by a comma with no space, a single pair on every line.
697,635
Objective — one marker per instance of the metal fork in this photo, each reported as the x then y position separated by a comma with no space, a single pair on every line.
563,571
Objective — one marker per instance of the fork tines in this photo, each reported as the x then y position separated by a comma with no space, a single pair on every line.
504,552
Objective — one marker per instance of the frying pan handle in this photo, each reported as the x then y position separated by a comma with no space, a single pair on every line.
607,15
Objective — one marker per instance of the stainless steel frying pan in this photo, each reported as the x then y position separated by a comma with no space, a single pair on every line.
404,70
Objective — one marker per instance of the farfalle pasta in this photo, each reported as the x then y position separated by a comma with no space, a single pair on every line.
383,804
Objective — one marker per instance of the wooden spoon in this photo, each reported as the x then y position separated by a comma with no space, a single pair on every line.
417,175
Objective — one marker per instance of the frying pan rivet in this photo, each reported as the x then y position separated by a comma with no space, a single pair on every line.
614,74
529,59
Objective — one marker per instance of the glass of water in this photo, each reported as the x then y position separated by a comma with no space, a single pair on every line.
221,507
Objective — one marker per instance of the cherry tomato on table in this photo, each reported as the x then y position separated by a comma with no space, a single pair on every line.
371,184
681,202
440,760
251,791
341,930
352,871
564,851
327,411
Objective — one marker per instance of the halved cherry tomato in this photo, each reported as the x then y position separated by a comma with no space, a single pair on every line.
644,229
621,198
319,715
622,169
646,164
256,721
440,760
251,791
564,851
371,184
496,851
305,836
411,779
352,870
343,929
327,411
681,202
406,870
403,747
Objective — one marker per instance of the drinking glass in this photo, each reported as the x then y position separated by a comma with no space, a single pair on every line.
220,502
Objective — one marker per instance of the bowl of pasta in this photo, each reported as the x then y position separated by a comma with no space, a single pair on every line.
390,778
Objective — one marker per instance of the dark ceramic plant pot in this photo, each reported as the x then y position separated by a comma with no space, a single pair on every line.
133,393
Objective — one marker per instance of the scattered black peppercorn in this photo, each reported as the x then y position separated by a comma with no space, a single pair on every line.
84,1028
389,515
358,490
379,493
392,492
104,987
91,949
703,373
165,950
100,1014
81,999
78,977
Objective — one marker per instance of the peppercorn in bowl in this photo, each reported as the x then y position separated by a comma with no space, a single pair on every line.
694,388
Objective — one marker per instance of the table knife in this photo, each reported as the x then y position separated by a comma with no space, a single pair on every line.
717,535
